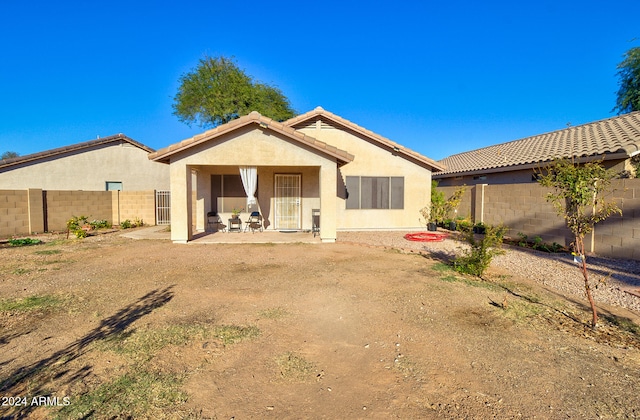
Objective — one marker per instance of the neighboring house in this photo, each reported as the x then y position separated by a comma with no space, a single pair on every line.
315,161
614,141
109,163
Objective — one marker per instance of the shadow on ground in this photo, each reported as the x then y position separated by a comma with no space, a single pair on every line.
113,325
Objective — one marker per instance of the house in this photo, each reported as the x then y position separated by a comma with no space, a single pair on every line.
615,141
109,163
287,170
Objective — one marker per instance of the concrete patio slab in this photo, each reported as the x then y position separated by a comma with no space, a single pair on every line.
267,236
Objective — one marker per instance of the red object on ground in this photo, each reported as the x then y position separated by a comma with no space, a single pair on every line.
426,236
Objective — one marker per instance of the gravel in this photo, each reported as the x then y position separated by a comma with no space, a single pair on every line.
556,271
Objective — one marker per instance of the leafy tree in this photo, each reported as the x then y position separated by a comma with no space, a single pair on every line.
217,91
9,155
578,197
440,208
628,99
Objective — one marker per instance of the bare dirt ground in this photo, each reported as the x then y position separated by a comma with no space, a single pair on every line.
332,331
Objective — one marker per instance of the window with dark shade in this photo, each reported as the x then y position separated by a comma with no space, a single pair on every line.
397,192
375,192
353,192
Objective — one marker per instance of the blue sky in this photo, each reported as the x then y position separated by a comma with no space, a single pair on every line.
437,77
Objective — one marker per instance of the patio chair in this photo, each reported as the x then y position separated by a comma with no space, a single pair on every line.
214,222
254,222
315,222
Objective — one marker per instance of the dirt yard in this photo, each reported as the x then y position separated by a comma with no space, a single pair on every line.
109,327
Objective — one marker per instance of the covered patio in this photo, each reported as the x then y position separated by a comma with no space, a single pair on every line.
253,164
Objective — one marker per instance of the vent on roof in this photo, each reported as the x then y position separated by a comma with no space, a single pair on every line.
318,125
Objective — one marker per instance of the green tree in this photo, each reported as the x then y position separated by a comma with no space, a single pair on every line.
217,91
628,99
577,196
9,155
440,208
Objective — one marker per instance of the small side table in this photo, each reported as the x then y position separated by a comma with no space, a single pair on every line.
235,225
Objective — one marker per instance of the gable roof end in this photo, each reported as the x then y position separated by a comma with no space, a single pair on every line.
164,155
619,136
376,138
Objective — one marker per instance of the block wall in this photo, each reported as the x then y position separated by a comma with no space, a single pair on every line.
465,209
524,209
134,205
619,236
14,212
63,205
23,212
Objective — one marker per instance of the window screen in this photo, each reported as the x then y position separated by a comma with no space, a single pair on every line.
397,192
375,192
353,192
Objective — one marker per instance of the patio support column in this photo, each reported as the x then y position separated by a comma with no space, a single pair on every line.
181,202
203,201
328,199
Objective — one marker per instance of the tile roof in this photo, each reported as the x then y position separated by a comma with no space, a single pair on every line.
78,147
617,135
376,138
164,155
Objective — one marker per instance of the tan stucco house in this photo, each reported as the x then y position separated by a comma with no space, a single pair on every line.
614,141
109,163
316,161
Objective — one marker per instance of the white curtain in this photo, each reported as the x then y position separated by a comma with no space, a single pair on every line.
249,175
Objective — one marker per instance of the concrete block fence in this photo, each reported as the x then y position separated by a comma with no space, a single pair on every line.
34,210
524,209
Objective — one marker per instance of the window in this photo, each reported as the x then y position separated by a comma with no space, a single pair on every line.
375,192
114,186
227,193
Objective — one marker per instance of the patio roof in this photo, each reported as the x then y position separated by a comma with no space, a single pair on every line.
164,155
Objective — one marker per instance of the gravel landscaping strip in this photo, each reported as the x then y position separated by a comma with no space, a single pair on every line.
551,270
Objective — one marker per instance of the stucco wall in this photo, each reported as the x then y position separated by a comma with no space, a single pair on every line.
373,160
90,170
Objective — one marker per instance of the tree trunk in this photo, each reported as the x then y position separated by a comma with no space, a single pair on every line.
585,274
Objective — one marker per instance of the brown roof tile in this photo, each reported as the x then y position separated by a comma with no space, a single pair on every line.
619,134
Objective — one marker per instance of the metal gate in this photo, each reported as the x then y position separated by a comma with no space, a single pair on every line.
163,207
